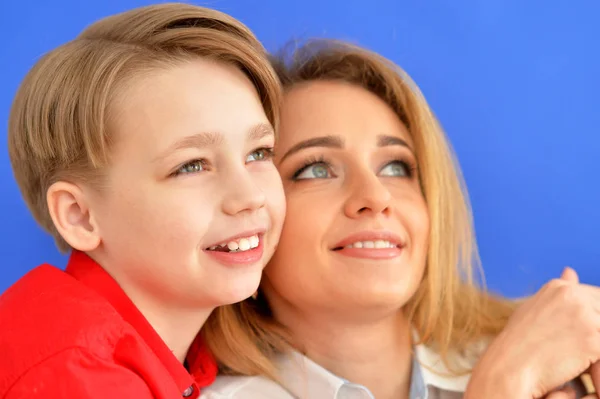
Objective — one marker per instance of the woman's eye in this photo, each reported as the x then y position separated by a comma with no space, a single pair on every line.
395,169
314,171
262,154
191,167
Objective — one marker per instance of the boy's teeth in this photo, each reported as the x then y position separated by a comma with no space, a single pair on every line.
240,245
244,244
372,244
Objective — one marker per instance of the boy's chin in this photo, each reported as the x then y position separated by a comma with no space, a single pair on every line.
237,291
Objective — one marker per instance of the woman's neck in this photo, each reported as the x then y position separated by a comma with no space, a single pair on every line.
376,354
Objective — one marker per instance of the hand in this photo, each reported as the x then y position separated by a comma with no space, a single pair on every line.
552,338
568,393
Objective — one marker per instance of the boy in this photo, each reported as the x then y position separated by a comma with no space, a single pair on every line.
144,147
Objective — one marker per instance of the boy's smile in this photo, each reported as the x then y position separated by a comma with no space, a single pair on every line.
246,249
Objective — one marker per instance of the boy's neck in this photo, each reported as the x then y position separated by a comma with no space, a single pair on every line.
177,328
176,324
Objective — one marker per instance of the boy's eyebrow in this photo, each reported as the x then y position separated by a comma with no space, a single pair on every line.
207,139
260,131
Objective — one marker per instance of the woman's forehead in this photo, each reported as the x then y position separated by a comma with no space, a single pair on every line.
327,108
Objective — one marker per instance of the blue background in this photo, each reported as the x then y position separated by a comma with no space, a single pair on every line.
515,84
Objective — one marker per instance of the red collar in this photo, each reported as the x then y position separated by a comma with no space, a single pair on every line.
202,365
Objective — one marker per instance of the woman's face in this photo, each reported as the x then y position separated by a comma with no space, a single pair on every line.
356,231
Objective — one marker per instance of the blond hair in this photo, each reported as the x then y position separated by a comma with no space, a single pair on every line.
449,311
60,119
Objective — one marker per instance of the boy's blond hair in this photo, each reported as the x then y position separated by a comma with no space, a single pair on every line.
59,125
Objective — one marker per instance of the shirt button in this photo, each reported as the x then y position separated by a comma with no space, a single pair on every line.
188,392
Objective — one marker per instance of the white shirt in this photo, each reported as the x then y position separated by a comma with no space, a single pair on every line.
301,378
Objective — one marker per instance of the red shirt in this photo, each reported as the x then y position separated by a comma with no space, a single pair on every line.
75,334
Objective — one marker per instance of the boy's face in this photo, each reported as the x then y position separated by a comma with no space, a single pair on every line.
190,180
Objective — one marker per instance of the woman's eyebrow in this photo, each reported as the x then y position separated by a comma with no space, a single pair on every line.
324,141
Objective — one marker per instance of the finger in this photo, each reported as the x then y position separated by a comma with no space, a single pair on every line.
569,275
564,393
593,293
594,375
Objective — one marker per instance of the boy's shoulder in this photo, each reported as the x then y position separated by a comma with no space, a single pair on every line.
47,313
49,304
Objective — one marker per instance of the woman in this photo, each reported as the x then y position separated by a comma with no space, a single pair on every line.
371,292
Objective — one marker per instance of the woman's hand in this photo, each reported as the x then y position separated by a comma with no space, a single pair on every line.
568,393
552,338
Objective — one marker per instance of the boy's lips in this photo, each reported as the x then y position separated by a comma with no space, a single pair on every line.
242,249
246,234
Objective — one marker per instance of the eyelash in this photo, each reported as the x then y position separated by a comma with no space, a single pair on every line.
411,167
310,162
179,172
268,155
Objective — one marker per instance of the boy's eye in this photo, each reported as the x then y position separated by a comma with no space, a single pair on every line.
395,169
314,171
191,167
262,154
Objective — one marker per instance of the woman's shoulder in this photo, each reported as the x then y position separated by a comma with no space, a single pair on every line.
244,387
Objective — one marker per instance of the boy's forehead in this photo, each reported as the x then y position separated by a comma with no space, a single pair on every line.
190,105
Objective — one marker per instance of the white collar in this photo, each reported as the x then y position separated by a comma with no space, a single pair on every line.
306,379
436,374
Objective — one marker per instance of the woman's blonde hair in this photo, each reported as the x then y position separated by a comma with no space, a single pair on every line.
59,125
449,311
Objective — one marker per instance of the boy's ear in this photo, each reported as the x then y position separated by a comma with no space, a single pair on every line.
70,211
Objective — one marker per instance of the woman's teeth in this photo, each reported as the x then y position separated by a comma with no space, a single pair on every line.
372,244
239,245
